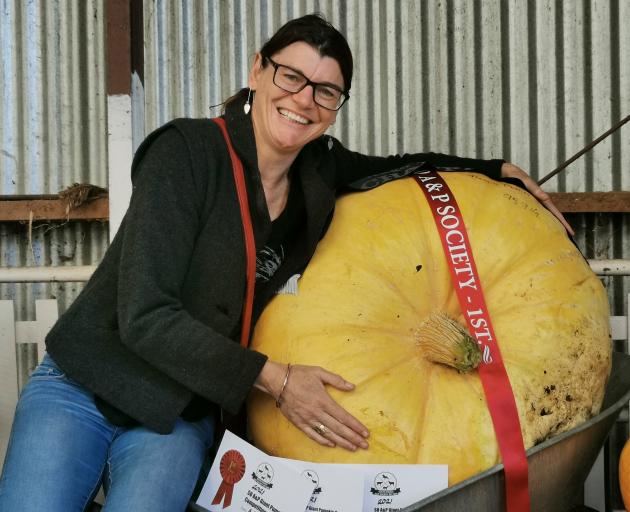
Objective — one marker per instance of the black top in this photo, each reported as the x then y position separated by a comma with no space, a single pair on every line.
284,231
157,322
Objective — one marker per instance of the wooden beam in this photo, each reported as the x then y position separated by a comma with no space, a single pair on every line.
46,208
118,43
51,207
137,39
592,202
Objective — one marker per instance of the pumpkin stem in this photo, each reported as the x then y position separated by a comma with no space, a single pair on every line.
445,341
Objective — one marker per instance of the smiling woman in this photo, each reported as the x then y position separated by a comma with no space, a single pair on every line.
148,353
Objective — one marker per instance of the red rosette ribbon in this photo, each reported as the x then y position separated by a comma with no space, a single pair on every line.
232,468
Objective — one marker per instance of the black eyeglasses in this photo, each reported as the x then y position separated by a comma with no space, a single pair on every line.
291,80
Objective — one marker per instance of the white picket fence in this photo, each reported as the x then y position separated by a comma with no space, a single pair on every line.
13,333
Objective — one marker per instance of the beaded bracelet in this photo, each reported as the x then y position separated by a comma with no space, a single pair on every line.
284,385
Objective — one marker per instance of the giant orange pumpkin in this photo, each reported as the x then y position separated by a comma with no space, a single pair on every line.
375,279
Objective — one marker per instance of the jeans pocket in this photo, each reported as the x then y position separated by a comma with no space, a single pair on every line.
48,369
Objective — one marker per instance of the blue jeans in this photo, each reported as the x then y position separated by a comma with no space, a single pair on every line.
62,449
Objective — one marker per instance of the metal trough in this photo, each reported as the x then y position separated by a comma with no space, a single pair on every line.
558,467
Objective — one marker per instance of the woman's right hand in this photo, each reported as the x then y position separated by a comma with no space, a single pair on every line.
306,403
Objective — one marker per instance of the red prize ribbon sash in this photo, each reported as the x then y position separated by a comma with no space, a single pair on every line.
232,467
494,378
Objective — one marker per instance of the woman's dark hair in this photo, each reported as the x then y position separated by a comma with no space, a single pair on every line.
314,30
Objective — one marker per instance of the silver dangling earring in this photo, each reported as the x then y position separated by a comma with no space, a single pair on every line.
247,107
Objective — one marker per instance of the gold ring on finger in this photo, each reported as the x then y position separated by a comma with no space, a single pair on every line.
321,429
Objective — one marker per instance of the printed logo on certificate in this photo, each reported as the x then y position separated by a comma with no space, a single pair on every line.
391,487
337,488
245,479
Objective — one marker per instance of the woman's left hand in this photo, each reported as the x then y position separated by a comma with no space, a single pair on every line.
513,171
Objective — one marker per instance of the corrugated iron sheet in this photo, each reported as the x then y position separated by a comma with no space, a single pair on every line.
532,82
53,133
53,129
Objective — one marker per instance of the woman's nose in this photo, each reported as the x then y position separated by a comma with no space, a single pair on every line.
304,98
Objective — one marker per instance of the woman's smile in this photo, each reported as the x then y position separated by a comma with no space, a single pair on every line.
293,116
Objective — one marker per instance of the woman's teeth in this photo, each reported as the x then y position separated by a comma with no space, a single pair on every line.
293,116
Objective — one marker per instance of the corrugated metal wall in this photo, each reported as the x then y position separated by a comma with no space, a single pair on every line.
529,81
53,130
53,133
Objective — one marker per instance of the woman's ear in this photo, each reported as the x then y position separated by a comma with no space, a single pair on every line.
255,71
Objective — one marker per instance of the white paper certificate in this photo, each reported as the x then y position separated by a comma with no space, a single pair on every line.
245,479
371,487
391,487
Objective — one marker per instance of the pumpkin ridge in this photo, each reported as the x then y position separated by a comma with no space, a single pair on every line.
391,368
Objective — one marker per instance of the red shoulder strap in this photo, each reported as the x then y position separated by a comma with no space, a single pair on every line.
494,377
248,231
